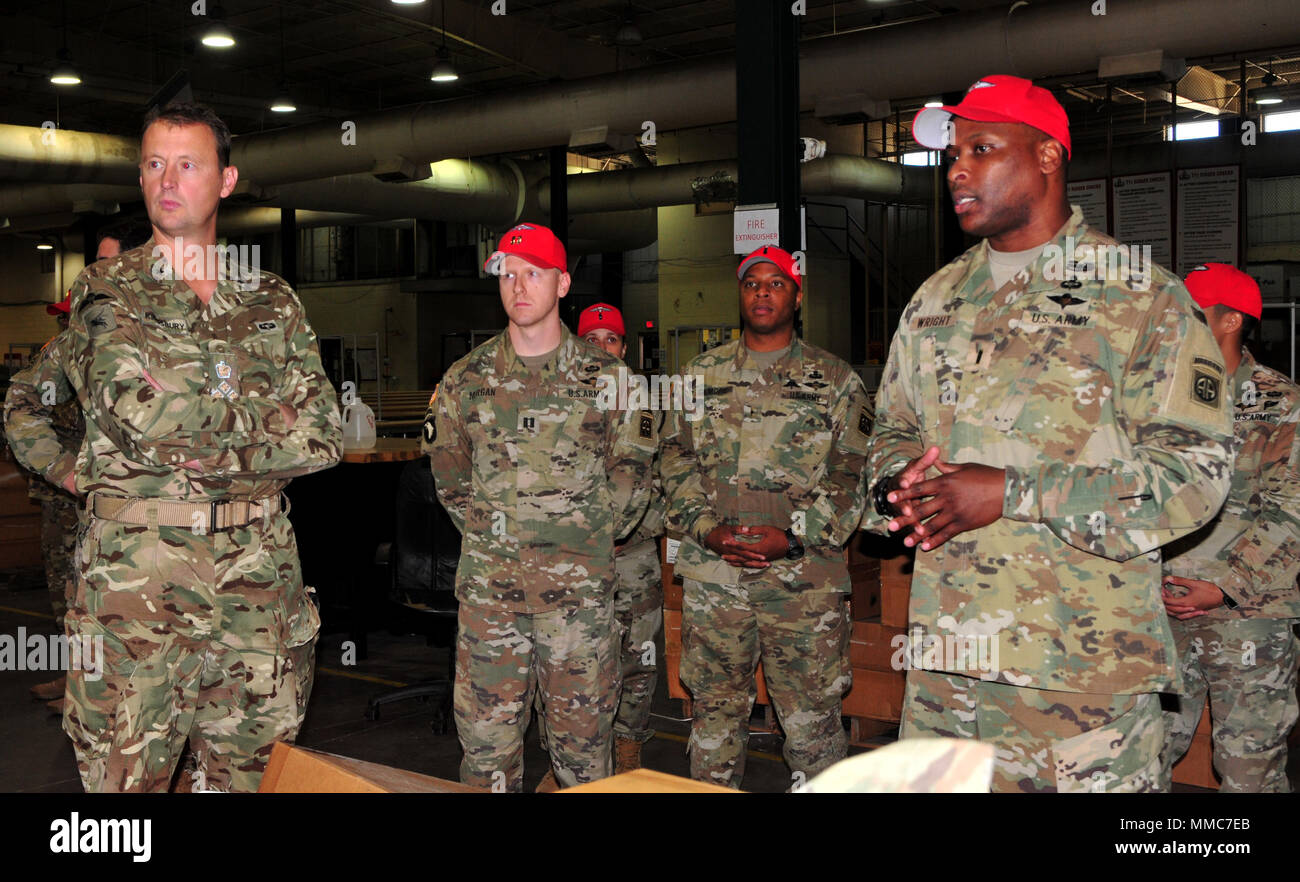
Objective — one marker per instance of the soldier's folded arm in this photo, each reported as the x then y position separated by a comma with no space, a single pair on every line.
632,440
688,507
449,451
896,431
837,500
29,421
1266,557
171,427
1177,418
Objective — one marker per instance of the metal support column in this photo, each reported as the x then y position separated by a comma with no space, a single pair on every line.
767,111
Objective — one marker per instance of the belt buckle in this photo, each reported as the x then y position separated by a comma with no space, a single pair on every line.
212,517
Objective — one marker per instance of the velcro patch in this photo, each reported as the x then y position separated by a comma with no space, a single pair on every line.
646,425
1205,388
864,423
100,320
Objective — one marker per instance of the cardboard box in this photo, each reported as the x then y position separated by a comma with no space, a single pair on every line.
294,769
872,646
895,590
876,695
1197,765
647,781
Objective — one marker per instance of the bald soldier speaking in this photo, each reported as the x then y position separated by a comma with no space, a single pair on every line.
1045,422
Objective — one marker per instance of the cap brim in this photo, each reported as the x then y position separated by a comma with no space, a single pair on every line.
750,261
929,129
492,265
58,309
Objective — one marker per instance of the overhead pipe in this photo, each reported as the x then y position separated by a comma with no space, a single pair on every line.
925,57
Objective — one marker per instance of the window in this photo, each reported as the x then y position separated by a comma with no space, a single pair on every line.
921,157
1192,131
1287,121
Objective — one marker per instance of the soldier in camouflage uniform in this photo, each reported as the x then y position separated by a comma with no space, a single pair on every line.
541,476
204,394
1077,420
1230,587
766,488
41,412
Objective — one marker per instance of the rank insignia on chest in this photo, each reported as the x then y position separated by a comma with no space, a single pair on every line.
226,388
646,425
1066,299
528,424
266,326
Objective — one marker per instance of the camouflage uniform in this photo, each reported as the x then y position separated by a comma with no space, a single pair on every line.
782,446
639,610
1105,403
1245,658
45,438
541,479
208,630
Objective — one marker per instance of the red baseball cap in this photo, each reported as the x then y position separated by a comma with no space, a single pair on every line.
996,98
1211,284
532,242
781,258
600,315
63,307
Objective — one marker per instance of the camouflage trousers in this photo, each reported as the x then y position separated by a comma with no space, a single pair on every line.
60,523
639,609
1247,669
1045,741
209,637
569,656
802,638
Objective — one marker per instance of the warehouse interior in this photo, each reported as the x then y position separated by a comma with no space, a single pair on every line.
377,191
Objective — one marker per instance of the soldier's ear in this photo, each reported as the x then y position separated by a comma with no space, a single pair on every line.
229,177
565,281
1051,156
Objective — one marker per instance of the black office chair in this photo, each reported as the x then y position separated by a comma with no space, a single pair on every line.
422,563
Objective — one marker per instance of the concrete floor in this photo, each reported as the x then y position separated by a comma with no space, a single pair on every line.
38,756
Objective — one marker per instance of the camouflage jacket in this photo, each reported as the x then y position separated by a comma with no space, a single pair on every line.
1251,549
783,447
43,420
222,368
1106,403
537,474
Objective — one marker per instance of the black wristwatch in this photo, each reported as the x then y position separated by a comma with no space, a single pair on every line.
796,547
880,497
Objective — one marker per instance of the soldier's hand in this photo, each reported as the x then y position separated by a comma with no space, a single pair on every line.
911,474
1201,596
722,540
963,497
70,484
772,543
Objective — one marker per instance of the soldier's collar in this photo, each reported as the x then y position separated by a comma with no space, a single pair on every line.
794,356
508,362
